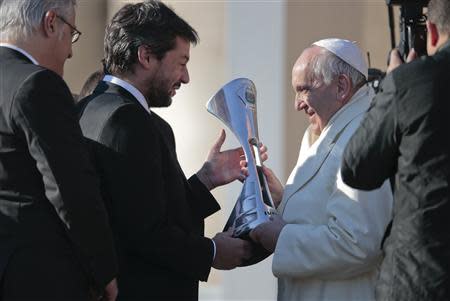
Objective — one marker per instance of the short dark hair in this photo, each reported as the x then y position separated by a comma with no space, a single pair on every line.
149,23
439,14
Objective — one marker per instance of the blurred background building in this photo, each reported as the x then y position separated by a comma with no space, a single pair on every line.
241,38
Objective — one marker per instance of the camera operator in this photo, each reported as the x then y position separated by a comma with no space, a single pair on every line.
405,134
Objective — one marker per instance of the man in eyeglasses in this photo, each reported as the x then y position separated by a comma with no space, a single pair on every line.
55,242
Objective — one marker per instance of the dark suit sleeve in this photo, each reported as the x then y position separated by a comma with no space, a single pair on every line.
147,214
205,204
43,113
371,154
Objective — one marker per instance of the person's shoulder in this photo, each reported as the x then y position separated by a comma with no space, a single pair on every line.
40,86
26,69
417,72
37,77
111,108
103,101
412,79
111,117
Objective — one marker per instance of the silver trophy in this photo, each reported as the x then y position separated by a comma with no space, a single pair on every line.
235,105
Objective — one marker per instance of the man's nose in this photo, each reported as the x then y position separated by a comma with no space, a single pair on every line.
185,77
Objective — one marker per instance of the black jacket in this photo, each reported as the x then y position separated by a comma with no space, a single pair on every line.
157,215
52,218
406,134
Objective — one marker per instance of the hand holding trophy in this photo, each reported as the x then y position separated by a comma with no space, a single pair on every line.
235,105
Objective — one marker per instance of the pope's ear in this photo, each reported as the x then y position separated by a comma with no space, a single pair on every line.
344,87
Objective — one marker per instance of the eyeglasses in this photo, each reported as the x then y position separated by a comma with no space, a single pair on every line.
75,32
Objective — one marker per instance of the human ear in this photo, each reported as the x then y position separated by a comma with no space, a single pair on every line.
432,34
145,57
49,24
344,87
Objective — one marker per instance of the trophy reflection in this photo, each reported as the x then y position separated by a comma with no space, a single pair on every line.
235,105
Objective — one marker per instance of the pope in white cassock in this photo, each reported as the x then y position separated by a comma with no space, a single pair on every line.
327,238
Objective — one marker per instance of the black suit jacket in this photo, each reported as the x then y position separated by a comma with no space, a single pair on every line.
51,213
157,214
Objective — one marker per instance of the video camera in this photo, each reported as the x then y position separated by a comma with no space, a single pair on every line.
413,31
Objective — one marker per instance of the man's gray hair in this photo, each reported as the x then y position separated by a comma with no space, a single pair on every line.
19,19
326,66
439,14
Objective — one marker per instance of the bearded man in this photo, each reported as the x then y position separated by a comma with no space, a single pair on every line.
157,215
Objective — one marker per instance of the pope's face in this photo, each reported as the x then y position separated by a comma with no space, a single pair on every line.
317,99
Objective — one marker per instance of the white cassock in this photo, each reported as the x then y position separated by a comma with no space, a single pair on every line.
330,249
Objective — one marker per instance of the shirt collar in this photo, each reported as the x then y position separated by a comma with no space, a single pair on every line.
29,56
364,91
130,88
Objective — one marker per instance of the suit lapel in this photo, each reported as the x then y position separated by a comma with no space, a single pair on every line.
313,156
167,137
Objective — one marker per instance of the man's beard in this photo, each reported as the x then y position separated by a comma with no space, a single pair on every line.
158,97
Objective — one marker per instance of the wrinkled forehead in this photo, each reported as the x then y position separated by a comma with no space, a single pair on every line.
307,58
303,68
